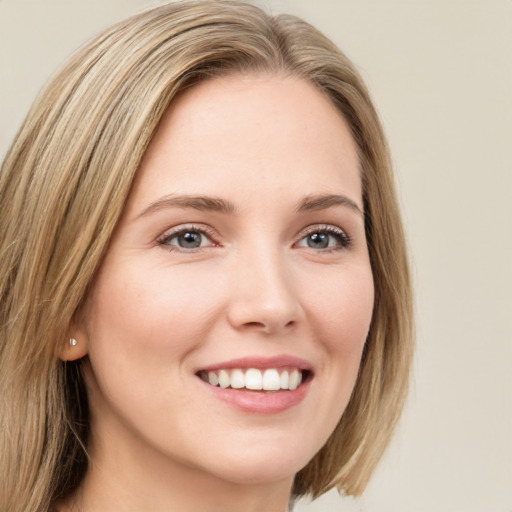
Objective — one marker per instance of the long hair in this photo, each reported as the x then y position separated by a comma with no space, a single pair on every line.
63,185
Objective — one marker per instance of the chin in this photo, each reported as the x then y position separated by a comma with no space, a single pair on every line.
257,474
259,465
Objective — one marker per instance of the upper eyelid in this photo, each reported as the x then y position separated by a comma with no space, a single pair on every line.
176,230
212,234
321,227
332,229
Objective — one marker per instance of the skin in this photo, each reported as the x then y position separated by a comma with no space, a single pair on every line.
158,312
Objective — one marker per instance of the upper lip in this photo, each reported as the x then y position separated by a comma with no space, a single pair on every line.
260,362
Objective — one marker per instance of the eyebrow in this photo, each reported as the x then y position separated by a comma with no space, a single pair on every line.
322,202
217,204
202,203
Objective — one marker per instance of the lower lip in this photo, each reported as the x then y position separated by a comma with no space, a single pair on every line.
258,402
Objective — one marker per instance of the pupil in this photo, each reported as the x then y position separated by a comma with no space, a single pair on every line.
190,240
318,240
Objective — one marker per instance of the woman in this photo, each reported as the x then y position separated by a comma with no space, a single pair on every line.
205,293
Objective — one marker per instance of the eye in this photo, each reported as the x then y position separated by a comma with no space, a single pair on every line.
186,239
325,238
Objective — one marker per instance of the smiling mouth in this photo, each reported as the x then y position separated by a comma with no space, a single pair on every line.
254,379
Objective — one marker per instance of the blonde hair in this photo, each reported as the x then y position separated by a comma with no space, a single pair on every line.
63,186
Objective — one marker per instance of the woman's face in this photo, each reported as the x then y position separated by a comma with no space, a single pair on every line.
241,258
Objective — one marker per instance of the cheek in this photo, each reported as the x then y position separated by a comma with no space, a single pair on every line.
341,321
145,310
342,312
141,326
339,316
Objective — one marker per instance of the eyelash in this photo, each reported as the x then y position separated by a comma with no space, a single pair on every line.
166,237
341,236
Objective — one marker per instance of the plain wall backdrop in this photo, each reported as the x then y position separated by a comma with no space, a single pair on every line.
440,72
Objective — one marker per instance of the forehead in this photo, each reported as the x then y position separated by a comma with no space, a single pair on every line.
256,129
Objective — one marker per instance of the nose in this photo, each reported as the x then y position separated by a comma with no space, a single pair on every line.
264,297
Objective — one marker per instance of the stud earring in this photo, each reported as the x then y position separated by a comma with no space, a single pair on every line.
73,342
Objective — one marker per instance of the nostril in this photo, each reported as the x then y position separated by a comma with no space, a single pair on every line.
266,326
255,326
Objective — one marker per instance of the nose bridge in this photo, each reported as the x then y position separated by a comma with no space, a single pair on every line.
265,296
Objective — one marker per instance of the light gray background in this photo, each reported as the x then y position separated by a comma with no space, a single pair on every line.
440,72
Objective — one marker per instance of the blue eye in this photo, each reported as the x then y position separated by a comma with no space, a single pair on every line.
187,239
329,237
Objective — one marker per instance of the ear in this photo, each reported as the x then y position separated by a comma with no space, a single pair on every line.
75,346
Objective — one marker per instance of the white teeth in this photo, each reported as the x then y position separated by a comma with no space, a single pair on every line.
295,379
224,380
284,380
213,379
253,379
270,379
237,379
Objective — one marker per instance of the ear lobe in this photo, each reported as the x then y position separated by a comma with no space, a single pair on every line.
74,348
